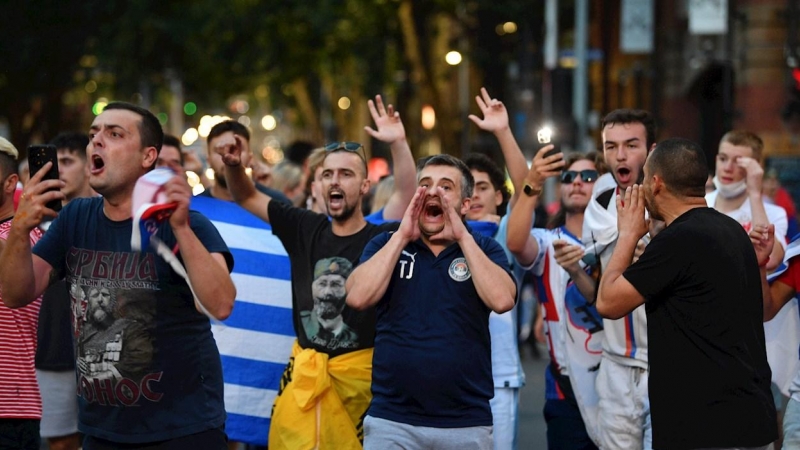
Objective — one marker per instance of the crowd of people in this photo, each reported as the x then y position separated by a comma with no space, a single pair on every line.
655,297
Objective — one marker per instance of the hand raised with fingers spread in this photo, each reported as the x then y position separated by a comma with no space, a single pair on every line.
495,115
32,209
409,226
387,120
231,150
630,213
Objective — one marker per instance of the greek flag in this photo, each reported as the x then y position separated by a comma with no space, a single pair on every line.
256,340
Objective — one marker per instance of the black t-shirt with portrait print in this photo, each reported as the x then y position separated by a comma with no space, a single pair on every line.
316,253
709,381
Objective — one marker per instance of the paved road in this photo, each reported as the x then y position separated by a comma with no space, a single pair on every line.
532,429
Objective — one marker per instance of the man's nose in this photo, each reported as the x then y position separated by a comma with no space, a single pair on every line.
622,154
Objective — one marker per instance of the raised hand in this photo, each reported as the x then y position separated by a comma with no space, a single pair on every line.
231,149
495,115
387,120
544,167
31,210
630,212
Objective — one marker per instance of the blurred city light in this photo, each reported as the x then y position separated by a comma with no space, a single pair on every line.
192,178
210,173
244,120
162,117
344,103
91,86
240,106
453,58
190,108
189,136
510,27
428,117
98,107
207,123
269,122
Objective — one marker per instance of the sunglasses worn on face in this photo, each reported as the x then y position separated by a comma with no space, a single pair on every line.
588,175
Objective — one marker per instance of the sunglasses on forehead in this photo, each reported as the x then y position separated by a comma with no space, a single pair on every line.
352,147
588,175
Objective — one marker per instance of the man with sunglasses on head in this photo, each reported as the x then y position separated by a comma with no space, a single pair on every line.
570,394
325,389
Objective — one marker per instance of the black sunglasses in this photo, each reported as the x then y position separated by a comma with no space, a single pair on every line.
588,175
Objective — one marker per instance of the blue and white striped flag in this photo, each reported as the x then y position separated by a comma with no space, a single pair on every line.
255,342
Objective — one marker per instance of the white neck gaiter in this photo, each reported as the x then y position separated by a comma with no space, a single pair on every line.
730,190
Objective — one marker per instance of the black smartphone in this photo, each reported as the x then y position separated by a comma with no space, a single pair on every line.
38,156
545,137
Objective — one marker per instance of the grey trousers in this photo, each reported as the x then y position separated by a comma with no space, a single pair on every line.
381,434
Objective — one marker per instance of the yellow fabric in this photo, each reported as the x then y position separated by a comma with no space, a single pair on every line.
308,414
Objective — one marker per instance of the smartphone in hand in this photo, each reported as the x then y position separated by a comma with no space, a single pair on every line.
545,137
38,156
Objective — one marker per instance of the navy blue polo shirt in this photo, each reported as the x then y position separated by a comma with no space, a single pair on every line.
432,364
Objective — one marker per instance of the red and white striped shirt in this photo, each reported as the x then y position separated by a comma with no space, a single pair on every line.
19,391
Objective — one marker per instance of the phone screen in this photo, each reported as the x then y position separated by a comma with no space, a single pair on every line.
38,156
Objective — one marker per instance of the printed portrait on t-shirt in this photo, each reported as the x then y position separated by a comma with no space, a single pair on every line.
324,324
113,304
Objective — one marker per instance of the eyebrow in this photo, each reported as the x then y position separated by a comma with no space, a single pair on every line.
626,141
107,127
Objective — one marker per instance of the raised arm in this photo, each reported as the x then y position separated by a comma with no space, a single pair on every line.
495,121
390,130
23,275
240,185
207,272
519,240
753,180
368,282
617,296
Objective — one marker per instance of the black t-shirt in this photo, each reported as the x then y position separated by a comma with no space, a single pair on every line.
709,377
54,348
321,262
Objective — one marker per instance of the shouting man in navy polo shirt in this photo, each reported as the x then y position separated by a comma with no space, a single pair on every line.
434,283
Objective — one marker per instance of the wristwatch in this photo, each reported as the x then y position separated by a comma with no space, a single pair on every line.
530,191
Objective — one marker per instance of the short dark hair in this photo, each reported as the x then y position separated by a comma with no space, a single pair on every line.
628,116
228,125
73,142
682,164
298,151
467,182
173,141
150,132
482,163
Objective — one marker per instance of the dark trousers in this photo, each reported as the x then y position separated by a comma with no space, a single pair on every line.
215,439
19,434
565,427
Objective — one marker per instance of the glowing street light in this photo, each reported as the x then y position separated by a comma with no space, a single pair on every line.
453,58
428,117
344,103
269,122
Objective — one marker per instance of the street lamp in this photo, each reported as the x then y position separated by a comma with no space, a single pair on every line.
453,58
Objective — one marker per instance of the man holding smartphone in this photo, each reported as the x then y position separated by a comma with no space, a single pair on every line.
20,403
148,367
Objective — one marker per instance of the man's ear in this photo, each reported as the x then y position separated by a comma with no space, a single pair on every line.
465,203
10,183
652,147
498,197
658,184
365,186
150,156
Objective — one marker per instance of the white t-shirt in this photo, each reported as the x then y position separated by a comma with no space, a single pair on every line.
626,338
744,215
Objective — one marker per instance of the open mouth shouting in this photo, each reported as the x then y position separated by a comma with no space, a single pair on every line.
97,164
624,176
335,199
433,212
